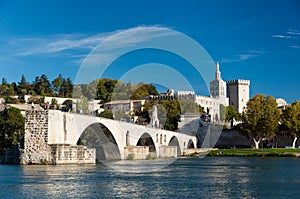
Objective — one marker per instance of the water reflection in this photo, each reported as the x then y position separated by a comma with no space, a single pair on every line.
210,177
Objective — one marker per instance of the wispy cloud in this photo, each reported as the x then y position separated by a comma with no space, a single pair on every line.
295,46
292,36
282,36
56,43
243,56
293,32
76,46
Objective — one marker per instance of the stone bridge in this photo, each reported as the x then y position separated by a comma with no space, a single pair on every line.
53,136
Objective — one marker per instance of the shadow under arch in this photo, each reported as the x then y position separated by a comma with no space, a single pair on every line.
146,140
100,137
174,142
190,144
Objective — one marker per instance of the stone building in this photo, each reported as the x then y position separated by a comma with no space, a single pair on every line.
218,96
126,106
238,93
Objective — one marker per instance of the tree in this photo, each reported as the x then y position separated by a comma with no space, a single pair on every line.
66,89
54,104
42,86
172,108
201,109
23,86
56,83
11,127
105,89
68,105
231,114
260,118
290,119
222,112
188,106
143,90
106,114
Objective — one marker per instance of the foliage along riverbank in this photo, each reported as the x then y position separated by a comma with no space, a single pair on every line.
247,152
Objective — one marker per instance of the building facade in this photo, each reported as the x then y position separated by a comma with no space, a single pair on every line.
211,104
126,106
238,93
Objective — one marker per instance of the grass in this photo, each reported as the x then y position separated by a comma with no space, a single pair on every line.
247,152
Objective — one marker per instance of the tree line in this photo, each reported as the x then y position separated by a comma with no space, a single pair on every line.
263,120
42,86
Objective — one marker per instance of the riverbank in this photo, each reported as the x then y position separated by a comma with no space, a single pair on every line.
248,152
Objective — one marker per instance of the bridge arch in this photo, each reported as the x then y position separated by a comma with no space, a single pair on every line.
146,140
190,144
98,136
174,142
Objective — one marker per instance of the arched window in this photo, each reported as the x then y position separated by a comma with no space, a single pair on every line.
160,139
127,139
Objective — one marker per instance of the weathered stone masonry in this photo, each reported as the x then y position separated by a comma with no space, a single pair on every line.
38,151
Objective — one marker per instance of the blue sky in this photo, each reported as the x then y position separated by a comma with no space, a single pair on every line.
256,40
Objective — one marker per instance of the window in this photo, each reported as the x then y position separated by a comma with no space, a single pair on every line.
160,139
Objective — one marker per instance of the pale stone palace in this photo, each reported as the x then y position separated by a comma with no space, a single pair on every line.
233,92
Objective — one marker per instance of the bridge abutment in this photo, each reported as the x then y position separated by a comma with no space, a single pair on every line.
37,149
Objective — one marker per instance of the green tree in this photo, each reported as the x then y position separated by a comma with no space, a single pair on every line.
143,90
6,89
222,112
23,86
231,114
172,108
290,119
42,86
54,104
188,106
260,118
56,83
106,114
66,88
105,89
201,109
11,127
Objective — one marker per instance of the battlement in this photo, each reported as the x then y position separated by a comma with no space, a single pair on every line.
238,82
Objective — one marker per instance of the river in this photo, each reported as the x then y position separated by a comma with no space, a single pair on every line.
209,177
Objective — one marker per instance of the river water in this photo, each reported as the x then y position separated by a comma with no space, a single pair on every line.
209,177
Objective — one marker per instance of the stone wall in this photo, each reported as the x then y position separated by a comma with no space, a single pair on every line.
37,150
68,154
168,151
136,152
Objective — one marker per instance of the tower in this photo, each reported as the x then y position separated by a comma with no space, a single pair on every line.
238,93
218,86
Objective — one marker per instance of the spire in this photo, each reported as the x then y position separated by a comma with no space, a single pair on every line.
218,73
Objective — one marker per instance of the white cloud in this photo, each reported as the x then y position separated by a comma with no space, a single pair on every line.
293,32
244,56
295,46
282,36
55,43
77,46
